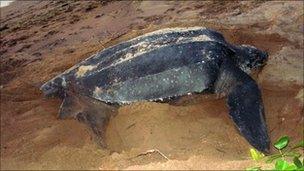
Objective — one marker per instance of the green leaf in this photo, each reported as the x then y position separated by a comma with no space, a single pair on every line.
297,162
300,144
291,167
253,169
256,155
281,164
281,143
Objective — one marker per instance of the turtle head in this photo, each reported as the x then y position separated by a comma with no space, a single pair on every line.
53,88
250,58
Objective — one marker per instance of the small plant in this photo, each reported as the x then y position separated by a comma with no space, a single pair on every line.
286,159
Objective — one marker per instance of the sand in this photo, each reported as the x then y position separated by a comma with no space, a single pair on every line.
42,39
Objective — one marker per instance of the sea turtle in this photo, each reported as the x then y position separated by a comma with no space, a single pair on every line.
162,65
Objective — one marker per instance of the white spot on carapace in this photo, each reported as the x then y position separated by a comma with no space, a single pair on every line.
97,92
172,30
82,70
141,47
127,57
63,82
200,38
249,46
208,57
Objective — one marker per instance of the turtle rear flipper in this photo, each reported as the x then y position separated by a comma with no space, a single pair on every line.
93,113
245,104
97,124
70,107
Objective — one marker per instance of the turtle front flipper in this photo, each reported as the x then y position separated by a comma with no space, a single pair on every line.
93,113
245,104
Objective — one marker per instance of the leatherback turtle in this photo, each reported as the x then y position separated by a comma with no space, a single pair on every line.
161,65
